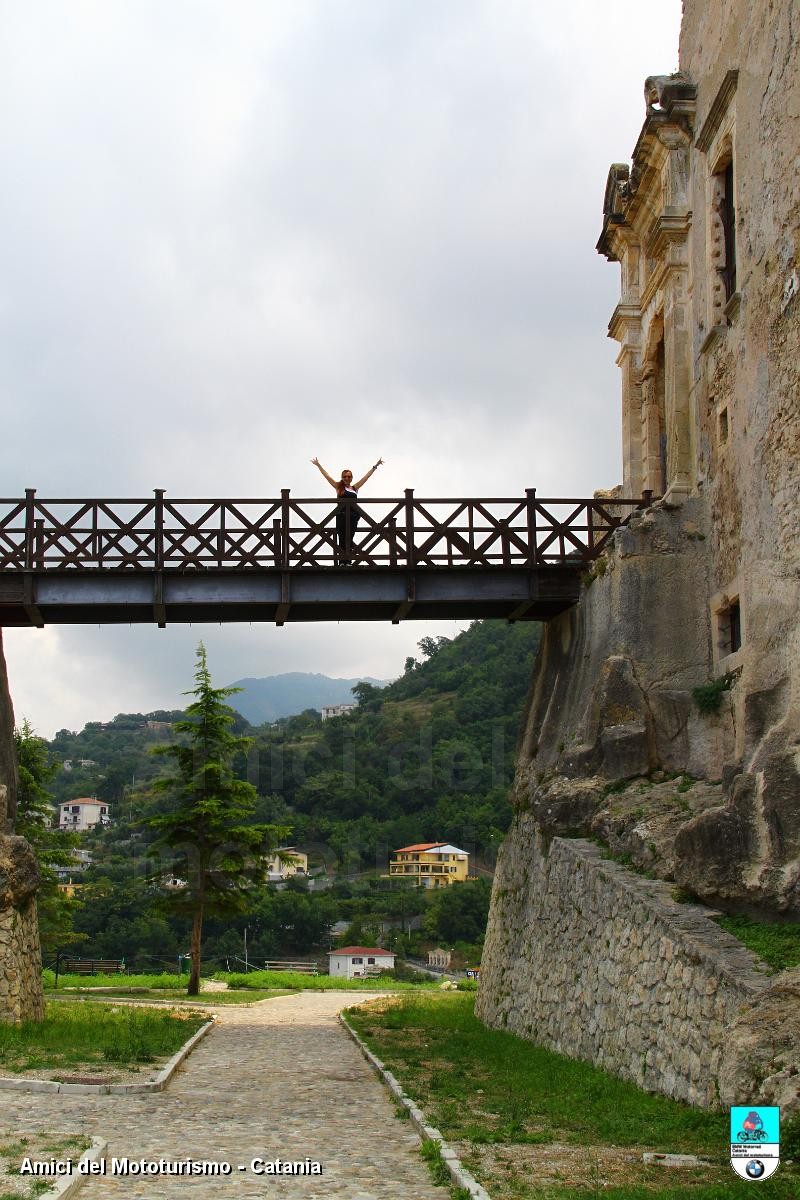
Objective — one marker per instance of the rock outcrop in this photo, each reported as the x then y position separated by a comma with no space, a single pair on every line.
21,995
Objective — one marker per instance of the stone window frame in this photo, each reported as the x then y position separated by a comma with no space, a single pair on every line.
717,140
722,604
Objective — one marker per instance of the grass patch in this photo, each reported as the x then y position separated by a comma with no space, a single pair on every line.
431,1152
297,981
205,999
14,1148
79,1035
778,945
165,980
536,1124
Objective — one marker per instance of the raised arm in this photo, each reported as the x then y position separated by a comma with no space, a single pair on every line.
370,472
322,471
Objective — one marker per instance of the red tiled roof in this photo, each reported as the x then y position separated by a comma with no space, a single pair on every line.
420,846
372,951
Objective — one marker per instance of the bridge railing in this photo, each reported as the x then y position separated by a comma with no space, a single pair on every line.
285,533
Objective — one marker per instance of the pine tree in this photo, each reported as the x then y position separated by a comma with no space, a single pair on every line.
53,847
218,851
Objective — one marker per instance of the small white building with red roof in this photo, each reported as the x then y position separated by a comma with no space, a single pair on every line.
354,962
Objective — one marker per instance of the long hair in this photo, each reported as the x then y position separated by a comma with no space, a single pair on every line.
341,485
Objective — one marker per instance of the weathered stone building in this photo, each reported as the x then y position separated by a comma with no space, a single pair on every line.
683,657
20,957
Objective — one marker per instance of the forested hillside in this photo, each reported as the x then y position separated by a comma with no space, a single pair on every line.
430,757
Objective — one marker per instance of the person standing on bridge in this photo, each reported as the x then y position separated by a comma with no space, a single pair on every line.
346,511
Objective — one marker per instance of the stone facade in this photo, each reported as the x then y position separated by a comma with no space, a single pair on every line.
601,964
706,227
21,995
700,591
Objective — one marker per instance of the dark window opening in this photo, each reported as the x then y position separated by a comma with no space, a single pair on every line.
728,214
730,628
723,426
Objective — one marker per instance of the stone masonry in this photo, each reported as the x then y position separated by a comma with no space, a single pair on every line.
20,956
598,963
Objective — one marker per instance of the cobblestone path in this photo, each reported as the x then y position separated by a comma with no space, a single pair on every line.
280,1080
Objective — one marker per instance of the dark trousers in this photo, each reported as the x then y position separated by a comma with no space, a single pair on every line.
344,545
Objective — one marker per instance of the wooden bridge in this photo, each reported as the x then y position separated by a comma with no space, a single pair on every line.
286,559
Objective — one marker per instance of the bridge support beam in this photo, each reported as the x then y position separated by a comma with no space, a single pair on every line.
104,596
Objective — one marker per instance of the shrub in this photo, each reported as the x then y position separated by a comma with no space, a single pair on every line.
708,697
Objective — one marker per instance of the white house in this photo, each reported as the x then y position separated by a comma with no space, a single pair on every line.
83,813
355,962
336,710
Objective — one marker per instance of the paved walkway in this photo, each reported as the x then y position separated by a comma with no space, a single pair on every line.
280,1080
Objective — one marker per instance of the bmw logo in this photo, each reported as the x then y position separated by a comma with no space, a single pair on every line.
755,1168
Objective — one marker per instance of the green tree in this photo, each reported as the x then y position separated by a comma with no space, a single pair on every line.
53,848
459,913
218,850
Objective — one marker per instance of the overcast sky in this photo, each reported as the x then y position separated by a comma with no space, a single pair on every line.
236,235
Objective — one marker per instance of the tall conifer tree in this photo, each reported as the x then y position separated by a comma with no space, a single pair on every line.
218,851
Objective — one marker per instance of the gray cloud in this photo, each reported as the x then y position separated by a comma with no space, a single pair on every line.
237,235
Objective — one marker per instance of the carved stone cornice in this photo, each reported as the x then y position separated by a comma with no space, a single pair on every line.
670,105
669,228
623,319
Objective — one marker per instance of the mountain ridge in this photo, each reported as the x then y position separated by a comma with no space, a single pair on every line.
267,698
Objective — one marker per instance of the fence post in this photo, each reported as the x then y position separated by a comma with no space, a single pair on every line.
530,503
277,553
392,542
39,539
30,529
409,527
285,515
159,526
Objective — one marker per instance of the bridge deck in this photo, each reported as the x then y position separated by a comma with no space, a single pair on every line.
281,560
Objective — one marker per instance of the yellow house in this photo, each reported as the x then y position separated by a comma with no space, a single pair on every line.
430,864
286,862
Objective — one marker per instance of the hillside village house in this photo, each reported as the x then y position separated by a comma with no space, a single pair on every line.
83,813
430,864
285,862
354,962
336,710
81,859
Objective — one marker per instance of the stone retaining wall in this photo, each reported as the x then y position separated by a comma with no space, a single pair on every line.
21,996
20,974
601,964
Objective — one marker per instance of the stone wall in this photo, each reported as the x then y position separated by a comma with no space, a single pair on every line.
21,995
597,963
